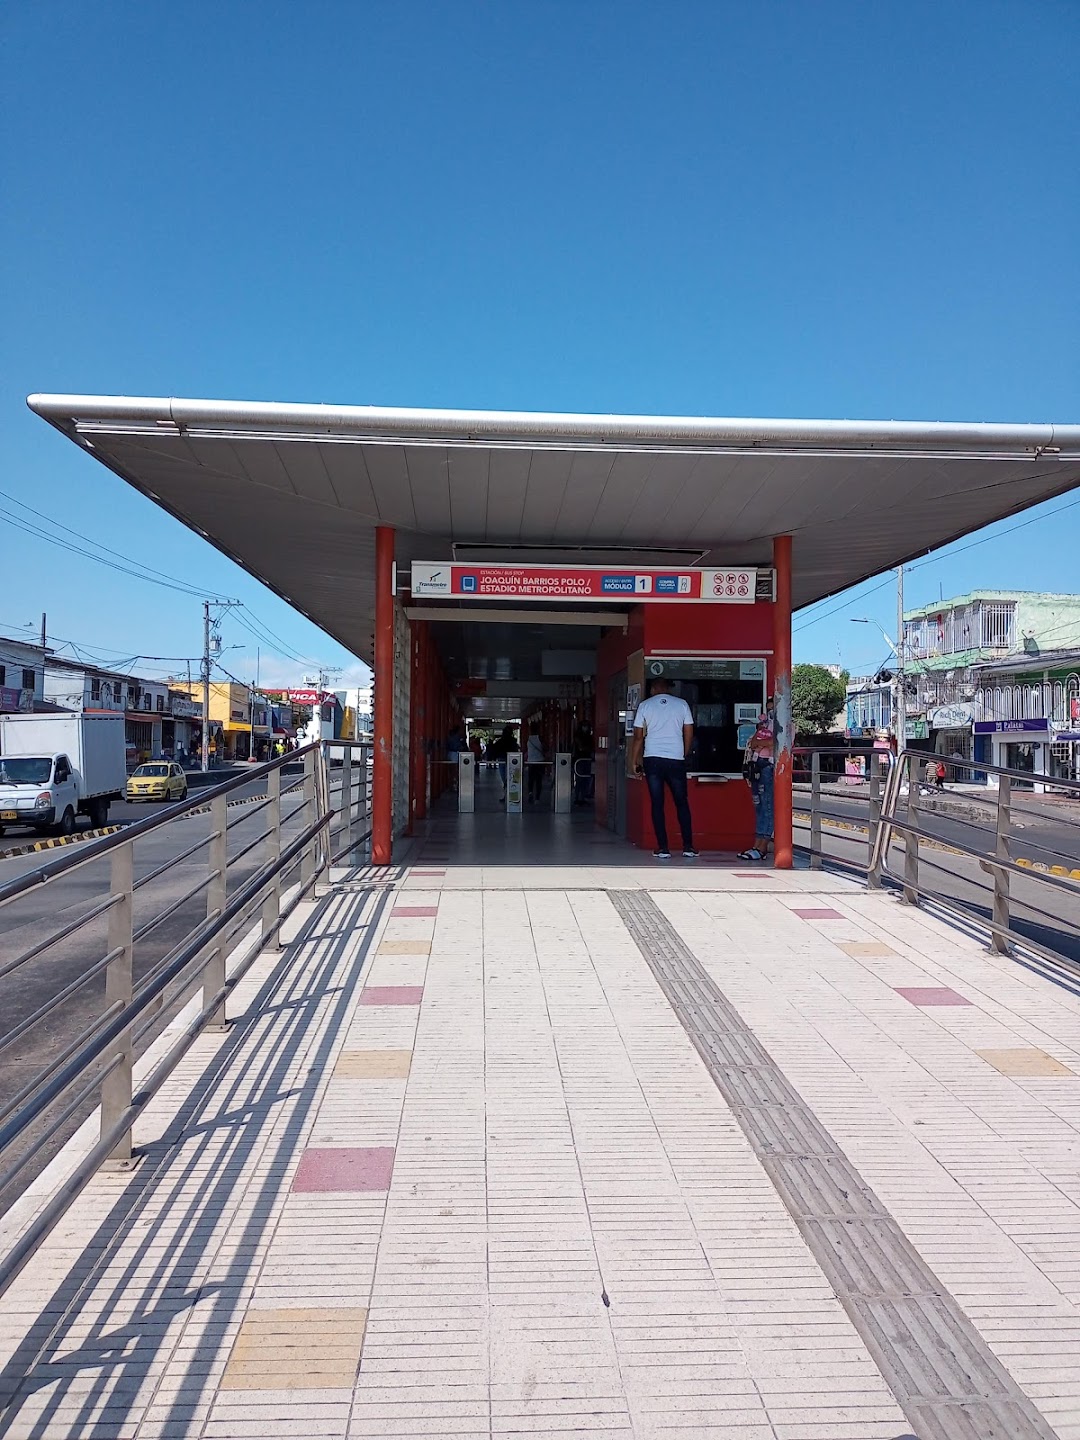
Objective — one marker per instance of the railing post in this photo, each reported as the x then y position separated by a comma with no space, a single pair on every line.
911,841
998,941
116,1087
345,828
271,906
214,974
309,856
873,873
815,811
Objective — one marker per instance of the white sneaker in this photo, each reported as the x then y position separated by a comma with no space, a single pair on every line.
661,854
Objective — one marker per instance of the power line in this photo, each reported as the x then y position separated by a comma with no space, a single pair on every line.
40,534
844,605
946,553
54,523
269,640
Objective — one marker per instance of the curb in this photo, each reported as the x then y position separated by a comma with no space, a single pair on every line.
1041,868
245,800
865,830
1037,865
57,841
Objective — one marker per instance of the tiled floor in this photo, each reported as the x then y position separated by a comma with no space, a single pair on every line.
458,1170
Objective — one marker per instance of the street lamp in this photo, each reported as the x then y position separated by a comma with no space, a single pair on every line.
899,697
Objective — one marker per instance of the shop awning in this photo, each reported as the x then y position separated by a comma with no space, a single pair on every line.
293,493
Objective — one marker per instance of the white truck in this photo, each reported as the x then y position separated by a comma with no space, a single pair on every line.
58,766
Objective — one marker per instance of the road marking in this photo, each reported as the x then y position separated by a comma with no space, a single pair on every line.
31,847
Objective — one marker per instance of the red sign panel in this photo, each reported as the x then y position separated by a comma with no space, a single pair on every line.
561,582
309,697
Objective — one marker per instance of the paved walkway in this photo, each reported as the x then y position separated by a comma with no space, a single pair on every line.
685,1152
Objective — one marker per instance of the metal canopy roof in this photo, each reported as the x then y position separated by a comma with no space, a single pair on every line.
293,492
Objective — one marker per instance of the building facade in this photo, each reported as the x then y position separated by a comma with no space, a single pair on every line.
991,677
159,721
22,675
240,719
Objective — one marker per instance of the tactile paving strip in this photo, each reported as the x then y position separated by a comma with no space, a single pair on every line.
943,1374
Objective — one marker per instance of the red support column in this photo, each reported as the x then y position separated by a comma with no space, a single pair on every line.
785,730
417,808
382,771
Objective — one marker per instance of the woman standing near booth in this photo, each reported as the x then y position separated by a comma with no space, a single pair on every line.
759,767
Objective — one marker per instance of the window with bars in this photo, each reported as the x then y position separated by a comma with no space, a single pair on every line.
998,625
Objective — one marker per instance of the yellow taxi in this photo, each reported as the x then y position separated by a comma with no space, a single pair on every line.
157,780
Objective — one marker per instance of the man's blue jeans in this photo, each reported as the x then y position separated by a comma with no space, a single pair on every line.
661,772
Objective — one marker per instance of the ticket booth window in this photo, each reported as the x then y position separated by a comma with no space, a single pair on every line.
726,697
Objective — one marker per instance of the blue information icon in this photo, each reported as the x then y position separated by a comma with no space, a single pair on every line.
468,584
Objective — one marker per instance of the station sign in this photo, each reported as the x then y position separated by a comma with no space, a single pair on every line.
615,584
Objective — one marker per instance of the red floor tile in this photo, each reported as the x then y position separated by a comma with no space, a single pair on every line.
931,995
415,912
819,914
392,995
356,1168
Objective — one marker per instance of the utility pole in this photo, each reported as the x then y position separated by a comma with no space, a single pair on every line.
206,687
900,708
44,661
207,630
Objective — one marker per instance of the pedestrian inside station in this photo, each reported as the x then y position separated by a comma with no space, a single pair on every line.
514,1128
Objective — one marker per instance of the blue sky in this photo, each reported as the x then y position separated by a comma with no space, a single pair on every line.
779,209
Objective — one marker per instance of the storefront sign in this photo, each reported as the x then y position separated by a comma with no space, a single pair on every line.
562,582
1010,727
916,730
951,717
310,697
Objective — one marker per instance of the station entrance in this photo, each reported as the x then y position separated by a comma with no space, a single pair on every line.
526,678
369,517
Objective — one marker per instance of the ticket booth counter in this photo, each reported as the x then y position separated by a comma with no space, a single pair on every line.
719,660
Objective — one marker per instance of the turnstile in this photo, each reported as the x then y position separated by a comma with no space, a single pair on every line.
514,782
563,784
466,782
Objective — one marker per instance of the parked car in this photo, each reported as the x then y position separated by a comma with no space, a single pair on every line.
157,780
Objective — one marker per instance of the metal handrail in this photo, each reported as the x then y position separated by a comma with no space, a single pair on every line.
85,854
998,863
53,1096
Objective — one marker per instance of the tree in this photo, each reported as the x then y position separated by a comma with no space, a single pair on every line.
817,697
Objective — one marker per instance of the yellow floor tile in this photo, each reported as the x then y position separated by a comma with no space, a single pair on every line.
1024,1062
373,1065
296,1349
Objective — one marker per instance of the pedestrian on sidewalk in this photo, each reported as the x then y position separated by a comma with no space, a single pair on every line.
759,768
663,735
930,773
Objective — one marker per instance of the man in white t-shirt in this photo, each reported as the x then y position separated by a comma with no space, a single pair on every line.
663,734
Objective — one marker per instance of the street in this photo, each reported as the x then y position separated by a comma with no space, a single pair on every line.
33,917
